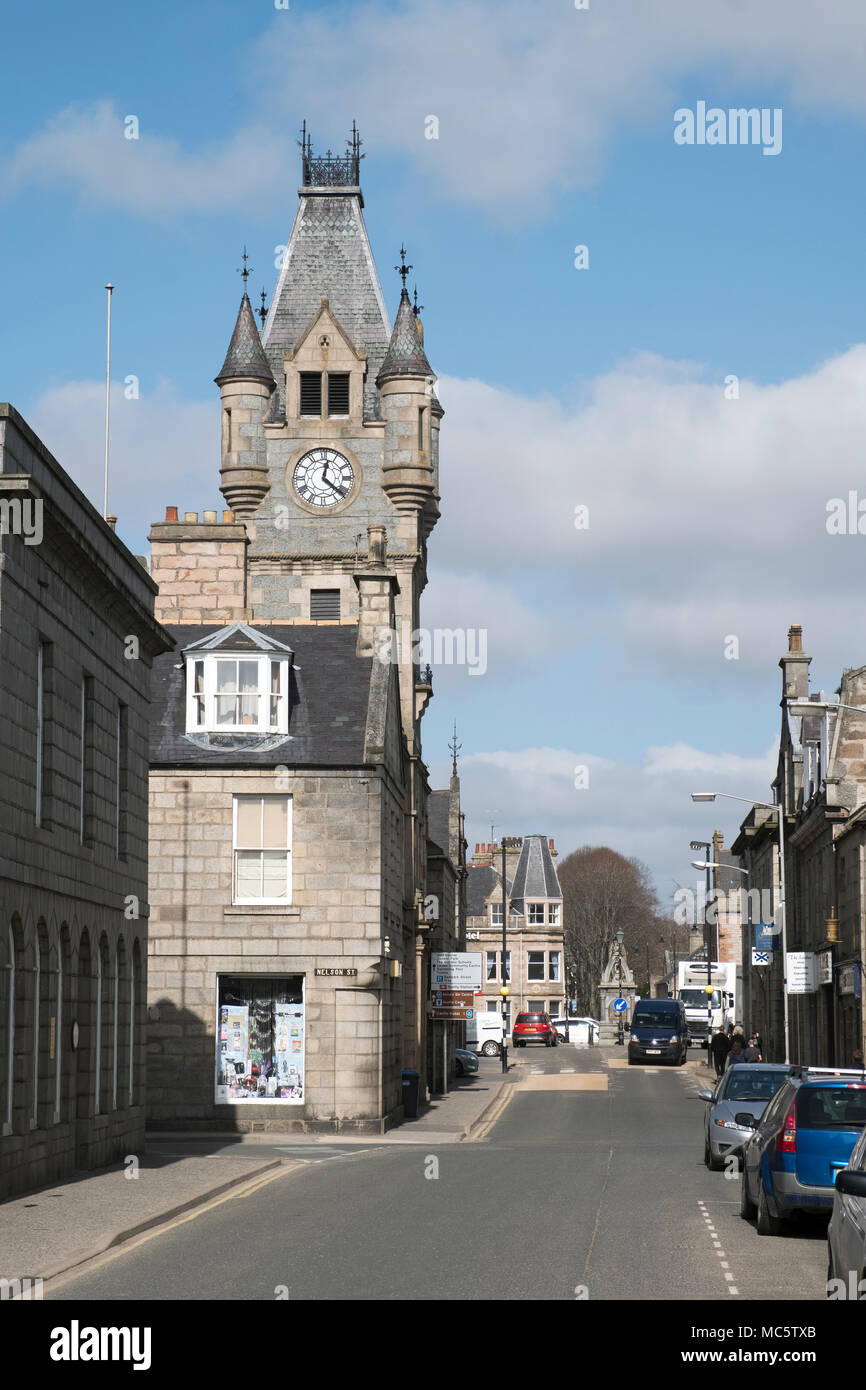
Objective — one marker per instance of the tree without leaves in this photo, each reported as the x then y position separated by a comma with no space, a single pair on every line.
603,892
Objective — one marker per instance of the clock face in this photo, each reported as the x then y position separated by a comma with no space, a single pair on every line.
323,478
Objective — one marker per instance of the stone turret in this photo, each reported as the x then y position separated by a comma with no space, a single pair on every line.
246,384
405,381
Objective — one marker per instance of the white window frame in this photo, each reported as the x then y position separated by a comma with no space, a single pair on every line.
496,920
272,902
534,979
555,979
534,921
553,915
209,724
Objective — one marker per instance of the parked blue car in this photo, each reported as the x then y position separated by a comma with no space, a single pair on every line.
803,1139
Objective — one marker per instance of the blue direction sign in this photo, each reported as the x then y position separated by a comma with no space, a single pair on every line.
620,1005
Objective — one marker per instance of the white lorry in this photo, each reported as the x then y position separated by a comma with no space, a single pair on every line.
726,978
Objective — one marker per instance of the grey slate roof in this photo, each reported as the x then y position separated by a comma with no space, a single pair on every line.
437,819
329,257
246,356
405,355
481,879
535,875
329,694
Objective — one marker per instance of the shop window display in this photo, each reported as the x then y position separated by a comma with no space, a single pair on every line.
260,1039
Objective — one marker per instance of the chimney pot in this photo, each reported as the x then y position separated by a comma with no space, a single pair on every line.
190,516
112,522
171,513
228,516
795,638
210,517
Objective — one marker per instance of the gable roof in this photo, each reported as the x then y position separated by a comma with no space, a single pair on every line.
329,701
481,880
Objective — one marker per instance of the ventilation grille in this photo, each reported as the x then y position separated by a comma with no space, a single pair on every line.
311,393
338,394
324,605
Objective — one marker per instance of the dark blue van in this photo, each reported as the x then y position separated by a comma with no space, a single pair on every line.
659,1032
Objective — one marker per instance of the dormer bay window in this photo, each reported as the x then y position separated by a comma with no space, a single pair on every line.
234,690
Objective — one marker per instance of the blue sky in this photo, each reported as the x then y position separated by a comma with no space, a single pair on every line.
561,386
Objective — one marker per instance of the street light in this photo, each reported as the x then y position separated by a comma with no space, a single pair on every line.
779,914
707,864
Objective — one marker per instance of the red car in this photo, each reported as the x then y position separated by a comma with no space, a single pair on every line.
534,1028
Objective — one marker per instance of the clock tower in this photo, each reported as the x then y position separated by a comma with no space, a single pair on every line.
330,430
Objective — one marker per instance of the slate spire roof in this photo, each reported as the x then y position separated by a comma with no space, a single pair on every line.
535,875
246,357
329,257
405,355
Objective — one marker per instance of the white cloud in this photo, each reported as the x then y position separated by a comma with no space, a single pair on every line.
642,809
164,451
529,97
84,145
707,516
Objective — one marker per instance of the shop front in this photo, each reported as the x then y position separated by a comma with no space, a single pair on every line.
260,1040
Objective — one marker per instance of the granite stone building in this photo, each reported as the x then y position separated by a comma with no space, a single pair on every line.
77,640
820,786
535,951
290,806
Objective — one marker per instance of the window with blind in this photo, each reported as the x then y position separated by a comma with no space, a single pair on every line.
262,849
324,605
242,694
311,393
338,393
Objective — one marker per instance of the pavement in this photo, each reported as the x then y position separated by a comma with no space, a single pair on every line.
46,1233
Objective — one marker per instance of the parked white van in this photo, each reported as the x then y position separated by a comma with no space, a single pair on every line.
484,1034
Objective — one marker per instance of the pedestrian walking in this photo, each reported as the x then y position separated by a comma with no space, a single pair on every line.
735,1056
720,1046
752,1053
857,1059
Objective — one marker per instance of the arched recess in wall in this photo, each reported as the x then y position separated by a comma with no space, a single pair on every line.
105,1011
62,1007
120,1062
8,962
136,1025
83,1020
39,1079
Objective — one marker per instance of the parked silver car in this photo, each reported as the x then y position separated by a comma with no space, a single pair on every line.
846,1234
740,1098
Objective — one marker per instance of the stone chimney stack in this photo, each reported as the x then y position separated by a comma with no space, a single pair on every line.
377,589
795,667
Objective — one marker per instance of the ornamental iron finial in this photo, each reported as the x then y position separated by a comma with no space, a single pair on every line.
416,307
403,269
262,313
247,271
455,747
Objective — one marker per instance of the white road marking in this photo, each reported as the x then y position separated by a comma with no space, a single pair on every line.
724,1262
